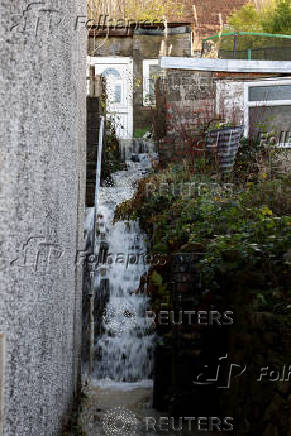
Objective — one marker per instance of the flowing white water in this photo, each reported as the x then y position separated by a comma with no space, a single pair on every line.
125,346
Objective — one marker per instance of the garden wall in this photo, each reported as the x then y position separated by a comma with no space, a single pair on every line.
188,103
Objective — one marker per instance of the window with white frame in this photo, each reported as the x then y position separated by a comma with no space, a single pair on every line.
151,72
268,110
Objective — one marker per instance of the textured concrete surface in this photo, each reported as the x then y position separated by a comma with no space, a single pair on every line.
42,193
131,414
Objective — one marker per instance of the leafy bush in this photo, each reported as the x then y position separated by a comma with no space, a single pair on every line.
244,235
273,17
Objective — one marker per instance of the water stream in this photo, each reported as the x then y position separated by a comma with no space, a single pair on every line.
125,346
118,400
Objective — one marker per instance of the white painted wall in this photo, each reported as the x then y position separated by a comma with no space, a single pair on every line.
229,100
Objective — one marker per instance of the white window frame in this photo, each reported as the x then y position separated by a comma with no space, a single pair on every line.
248,104
2,381
146,80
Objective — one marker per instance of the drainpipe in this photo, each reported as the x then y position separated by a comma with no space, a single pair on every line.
249,54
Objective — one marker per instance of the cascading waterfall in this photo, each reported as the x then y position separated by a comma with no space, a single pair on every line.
125,345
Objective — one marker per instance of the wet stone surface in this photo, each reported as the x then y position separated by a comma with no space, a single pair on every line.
126,411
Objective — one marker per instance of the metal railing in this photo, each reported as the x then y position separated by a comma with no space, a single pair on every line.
92,293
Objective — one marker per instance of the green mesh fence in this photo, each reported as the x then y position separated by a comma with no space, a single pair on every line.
252,46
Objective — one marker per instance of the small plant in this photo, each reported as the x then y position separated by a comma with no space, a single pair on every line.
139,133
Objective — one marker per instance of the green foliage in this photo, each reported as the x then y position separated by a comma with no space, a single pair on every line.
246,19
279,21
244,235
273,17
138,133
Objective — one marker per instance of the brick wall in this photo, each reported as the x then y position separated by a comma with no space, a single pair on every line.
190,103
42,180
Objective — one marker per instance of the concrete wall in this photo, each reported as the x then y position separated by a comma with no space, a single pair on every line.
42,182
